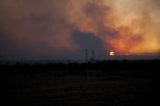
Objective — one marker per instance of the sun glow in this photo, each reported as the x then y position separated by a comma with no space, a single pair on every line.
111,53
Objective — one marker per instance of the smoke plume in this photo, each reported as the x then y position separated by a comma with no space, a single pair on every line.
124,26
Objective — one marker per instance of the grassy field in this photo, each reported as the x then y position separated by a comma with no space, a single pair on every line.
124,88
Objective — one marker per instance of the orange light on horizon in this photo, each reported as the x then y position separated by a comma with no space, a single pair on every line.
111,53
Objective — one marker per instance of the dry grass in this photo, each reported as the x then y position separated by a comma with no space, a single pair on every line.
76,90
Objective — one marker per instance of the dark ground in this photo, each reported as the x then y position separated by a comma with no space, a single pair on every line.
93,84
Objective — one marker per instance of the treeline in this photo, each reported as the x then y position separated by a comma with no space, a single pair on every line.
75,67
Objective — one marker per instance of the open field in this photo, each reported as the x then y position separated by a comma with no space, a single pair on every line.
123,87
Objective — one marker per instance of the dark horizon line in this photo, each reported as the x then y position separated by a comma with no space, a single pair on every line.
70,61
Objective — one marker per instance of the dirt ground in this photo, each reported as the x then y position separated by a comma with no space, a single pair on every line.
47,89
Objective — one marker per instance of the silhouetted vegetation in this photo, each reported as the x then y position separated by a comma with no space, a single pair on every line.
111,83
81,68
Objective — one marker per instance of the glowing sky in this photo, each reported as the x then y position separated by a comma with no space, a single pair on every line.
65,28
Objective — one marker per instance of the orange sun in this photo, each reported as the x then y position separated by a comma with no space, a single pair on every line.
111,53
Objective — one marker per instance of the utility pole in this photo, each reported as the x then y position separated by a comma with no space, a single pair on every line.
93,55
86,55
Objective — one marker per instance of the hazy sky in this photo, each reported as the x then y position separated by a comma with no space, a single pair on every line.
64,29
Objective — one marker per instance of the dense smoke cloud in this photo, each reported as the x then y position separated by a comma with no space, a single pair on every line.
48,26
38,27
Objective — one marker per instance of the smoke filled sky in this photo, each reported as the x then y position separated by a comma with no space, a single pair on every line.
64,29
